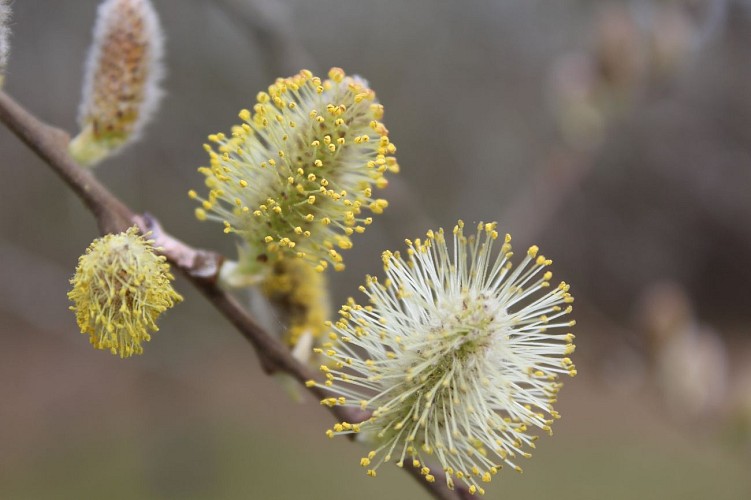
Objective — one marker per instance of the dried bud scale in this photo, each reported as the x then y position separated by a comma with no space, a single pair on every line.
120,288
121,82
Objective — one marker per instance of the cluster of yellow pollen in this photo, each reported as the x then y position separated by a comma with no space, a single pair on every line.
294,178
300,295
119,290
457,356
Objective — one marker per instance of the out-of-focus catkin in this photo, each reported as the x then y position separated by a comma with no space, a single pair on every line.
4,38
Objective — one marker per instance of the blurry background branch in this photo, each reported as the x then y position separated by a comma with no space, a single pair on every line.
269,24
637,51
200,267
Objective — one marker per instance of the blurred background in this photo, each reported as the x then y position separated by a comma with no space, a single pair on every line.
616,135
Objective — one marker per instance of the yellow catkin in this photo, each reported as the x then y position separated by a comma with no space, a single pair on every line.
300,295
295,178
120,288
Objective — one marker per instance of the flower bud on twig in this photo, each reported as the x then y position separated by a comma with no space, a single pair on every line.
299,294
121,82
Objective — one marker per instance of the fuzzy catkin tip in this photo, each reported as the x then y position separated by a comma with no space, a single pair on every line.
120,288
121,81
4,38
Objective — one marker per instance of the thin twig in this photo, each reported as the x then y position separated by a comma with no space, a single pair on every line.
51,145
200,267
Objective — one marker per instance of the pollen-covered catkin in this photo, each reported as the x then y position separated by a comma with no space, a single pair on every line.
120,288
293,180
457,355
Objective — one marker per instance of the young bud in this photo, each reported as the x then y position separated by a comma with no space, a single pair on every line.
299,295
120,288
4,35
121,81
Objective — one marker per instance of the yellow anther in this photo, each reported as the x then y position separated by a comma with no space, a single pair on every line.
337,74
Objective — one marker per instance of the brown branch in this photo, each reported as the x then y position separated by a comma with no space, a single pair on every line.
51,145
200,267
